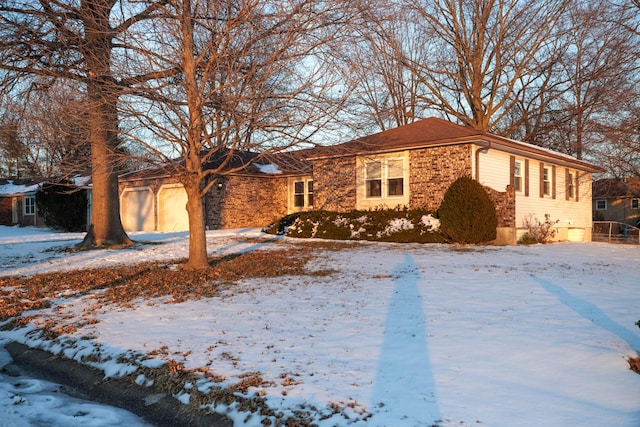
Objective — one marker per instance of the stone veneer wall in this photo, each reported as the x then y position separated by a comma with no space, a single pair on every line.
334,184
433,170
505,205
246,201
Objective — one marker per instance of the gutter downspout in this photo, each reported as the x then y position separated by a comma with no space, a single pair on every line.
478,151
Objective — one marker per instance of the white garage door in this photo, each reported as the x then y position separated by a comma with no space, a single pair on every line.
172,209
136,210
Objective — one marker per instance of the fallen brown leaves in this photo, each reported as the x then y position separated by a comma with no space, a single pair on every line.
121,284
634,364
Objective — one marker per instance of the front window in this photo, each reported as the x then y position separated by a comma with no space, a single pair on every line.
310,193
303,194
395,182
298,194
635,203
601,205
30,205
517,175
373,178
547,181
384,178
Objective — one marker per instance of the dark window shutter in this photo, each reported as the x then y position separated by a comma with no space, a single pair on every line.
512,171
541,179
526,177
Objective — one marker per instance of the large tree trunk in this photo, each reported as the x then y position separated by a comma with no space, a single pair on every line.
197,233
102,92
106,227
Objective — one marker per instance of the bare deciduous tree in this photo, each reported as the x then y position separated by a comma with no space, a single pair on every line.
51,126
597,71
79,41
386,90
482,60
253,77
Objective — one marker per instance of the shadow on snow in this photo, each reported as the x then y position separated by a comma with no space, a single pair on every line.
404,385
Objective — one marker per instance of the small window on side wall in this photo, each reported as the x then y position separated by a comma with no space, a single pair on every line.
571,185
601,205
517,175
303,194
635,203
546,181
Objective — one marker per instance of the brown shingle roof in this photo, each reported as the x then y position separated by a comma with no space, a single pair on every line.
238,163
433,132
613,188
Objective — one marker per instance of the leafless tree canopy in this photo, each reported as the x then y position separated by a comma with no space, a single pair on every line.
251,76
85,41
44,134
558,73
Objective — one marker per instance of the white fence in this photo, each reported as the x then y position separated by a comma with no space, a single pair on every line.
615,232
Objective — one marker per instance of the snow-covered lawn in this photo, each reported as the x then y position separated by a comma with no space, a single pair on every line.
400,335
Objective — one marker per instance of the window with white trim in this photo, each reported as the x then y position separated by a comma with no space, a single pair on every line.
373,178
546,181
384,178
517,175
635,203
29,205
601,205
303,194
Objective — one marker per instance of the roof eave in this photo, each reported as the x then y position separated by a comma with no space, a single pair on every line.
507,145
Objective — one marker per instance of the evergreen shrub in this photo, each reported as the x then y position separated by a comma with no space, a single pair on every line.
467,213
62,206
388,225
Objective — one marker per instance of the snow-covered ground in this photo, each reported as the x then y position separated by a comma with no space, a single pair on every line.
401,335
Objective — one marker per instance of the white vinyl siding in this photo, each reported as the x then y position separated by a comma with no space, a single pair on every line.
495,172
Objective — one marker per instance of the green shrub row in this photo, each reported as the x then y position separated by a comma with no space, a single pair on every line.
400,225
467,215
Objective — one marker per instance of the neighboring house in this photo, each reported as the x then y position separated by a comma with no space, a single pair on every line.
617,199
410,166
18,202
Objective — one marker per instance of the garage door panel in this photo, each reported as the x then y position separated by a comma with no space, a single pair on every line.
172,209
136,210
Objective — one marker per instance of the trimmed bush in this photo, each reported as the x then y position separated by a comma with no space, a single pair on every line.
399,225
467,213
